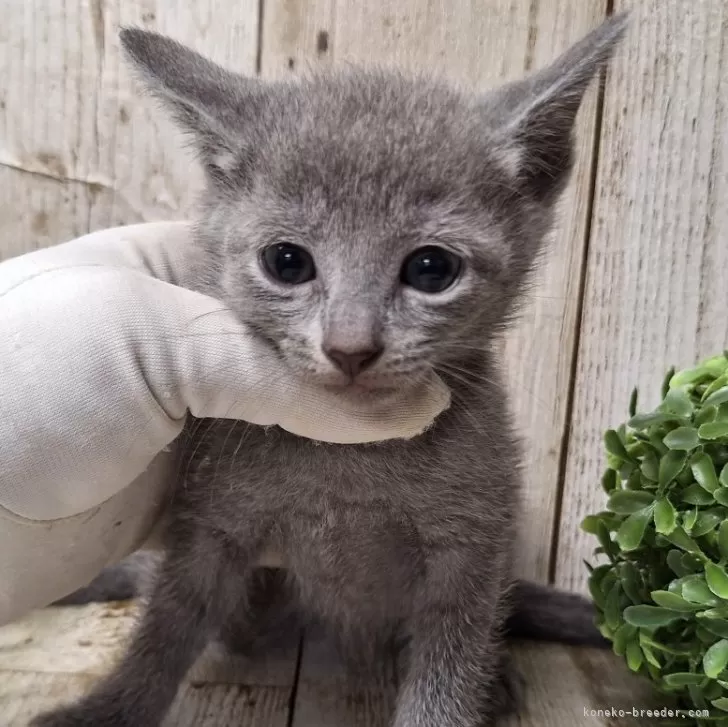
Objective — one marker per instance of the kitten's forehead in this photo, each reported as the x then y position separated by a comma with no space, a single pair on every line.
381,137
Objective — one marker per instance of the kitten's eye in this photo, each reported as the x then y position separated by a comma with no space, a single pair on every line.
430,269
288,263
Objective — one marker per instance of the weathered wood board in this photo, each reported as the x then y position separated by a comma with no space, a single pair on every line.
55,655
657,269
80,147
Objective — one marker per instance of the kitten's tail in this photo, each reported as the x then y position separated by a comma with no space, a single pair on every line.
120,582
548,614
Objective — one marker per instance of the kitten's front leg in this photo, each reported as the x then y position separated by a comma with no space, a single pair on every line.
455,649
196,590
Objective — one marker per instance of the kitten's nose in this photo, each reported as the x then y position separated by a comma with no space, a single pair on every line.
352,363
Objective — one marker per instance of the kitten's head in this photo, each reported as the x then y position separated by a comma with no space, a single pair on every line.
372,226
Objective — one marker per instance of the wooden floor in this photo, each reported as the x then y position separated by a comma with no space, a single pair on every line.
55,655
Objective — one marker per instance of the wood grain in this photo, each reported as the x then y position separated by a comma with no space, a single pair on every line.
579,687
80,147
325,697
656,291
56,655
479,43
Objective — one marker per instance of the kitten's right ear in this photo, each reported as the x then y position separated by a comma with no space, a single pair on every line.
208,102
535,117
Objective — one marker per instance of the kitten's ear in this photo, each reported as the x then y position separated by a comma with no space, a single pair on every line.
535,117
207,101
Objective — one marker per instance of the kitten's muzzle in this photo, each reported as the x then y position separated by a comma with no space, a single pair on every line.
353,362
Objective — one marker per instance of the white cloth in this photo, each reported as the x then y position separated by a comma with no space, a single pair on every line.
102,355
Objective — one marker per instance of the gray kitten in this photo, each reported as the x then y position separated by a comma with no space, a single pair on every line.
370,227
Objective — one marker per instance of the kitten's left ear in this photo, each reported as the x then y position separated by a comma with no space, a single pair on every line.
216,107
534,118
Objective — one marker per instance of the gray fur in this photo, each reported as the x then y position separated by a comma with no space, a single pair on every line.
408,539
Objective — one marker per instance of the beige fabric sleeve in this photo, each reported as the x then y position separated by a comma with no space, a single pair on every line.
103,356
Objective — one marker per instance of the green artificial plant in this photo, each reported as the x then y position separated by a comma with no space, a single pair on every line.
662,595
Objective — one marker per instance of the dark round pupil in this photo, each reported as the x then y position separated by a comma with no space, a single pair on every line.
431,269
289,263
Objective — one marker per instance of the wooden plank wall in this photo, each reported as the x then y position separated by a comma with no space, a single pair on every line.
81,149
657,268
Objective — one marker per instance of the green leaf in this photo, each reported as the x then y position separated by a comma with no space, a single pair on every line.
630,534
696,590
678,401
688,376
631,581
626,502
596,593
704,415
645,640
689,519
721,496
705,636
723,539
716,364
614,445
713,430
683,438
704,471
674,561
612,611
650,656
634,656
610,547
609,481
605,631
712,690
635,480
640,422
717,397
633,402
590,524
706,523
621,637
656,441
723,478
721,612
698,698
720,703
716,658
692,563
680,538
650,617
674,602
696,495
665,516
717,626
683,678
717,580
670,466
650,467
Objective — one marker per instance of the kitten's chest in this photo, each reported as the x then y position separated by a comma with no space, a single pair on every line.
358,551
327,512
